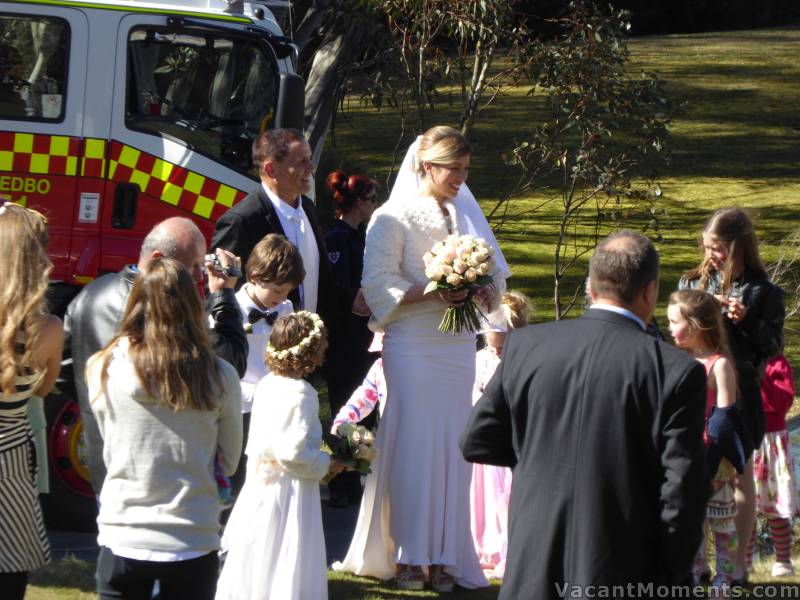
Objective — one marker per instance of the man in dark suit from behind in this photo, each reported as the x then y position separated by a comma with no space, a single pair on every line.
603,426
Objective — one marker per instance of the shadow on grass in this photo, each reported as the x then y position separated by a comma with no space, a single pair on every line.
69,572
343,586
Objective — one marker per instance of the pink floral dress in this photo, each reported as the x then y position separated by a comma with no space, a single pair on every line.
773,462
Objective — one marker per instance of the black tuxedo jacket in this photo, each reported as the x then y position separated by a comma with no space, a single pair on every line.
246,224
603,426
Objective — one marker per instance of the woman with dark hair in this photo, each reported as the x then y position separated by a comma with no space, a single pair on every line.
30,359
354,200
166,406
754,311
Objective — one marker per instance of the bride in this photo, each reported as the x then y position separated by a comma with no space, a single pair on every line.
414,521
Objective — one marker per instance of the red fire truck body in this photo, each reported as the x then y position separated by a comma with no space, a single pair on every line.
117,115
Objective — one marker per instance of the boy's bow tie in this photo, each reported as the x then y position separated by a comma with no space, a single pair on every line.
255,315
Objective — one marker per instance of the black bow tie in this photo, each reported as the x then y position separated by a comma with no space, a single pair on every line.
255,315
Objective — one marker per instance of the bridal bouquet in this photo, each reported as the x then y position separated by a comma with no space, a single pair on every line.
457,263
354,446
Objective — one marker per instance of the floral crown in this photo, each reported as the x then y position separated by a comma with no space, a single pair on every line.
314,335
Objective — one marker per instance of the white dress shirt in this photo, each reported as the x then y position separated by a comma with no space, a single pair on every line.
620,311
298,230
257,341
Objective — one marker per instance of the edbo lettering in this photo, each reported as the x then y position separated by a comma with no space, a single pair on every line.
29,185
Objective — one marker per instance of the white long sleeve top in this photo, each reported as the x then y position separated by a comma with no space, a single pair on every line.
285,433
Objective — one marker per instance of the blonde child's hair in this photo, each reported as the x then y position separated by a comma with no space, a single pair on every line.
296,345
516,308
704,315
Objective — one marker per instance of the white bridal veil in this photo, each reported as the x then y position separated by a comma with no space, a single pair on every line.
469,217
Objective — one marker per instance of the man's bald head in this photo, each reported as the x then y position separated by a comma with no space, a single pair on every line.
623,265
178,238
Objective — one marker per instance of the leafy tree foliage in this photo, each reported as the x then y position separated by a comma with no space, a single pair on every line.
593,152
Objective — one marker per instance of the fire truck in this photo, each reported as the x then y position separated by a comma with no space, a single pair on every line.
115,115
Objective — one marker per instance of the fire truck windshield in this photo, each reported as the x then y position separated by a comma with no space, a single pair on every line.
213,92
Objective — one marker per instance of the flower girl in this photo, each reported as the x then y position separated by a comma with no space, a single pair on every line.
276,523
695,322
490,489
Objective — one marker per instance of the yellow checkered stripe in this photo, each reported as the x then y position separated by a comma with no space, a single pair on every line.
178,186
39,154
98,158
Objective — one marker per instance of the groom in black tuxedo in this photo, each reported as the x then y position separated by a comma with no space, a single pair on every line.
603,426
280,205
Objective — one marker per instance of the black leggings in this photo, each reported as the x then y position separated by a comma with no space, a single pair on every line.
14,584
129,579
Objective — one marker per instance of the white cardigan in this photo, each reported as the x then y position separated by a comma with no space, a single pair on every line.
399,234
285,432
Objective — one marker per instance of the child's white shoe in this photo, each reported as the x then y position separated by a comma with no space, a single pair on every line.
780,569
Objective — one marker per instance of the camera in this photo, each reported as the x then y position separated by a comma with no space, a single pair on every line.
216,265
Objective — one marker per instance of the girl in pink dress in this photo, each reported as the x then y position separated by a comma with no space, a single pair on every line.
491,486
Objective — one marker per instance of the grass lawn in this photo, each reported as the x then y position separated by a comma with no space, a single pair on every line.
73,579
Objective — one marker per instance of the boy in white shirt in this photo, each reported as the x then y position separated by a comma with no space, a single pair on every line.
273,270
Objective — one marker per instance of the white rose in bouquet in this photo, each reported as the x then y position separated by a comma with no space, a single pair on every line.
455,279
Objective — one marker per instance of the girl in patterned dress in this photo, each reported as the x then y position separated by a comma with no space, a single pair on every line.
776,489
695,322
30,359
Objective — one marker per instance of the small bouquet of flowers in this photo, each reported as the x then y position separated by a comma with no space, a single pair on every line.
456,263
354,446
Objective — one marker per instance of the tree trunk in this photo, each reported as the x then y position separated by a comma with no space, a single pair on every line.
321,88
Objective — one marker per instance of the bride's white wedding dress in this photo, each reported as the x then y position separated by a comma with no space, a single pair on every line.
415,508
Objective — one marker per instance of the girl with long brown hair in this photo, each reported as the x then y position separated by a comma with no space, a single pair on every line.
30,357
753,314
165,407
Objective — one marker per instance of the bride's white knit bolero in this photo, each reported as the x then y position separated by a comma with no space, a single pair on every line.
399,234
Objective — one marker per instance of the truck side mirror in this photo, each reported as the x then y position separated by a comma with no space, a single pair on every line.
123,214
291,102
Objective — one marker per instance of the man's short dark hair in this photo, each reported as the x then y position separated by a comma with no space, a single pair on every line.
273,144
623,265
275,260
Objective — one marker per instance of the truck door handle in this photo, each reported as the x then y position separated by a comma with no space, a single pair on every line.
123,215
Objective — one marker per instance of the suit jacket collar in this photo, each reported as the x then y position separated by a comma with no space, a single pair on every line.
611,317
269,212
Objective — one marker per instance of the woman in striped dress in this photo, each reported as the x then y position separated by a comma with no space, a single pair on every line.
30,356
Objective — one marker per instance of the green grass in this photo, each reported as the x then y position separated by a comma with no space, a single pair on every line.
736,143
73,579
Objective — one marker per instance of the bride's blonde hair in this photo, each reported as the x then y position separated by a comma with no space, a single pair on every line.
24,269
441,145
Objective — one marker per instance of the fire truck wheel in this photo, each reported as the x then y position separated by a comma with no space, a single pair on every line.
70,505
